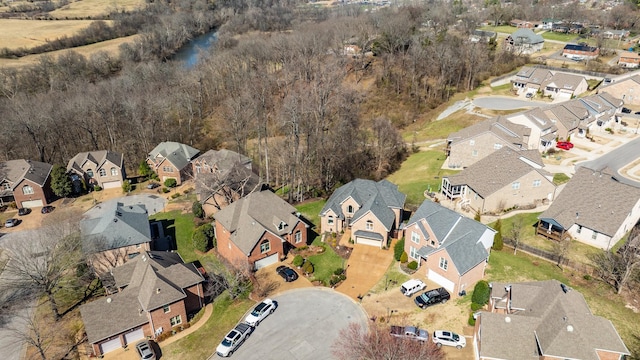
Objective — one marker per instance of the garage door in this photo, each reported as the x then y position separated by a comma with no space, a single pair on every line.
441,280
371,242
133,336
32,203
111,185
269,260
110,345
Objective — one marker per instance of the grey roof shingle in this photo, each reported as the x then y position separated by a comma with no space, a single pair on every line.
115,226
13,171
510,164
178,154
514,134
458,235
595,200
526,36
378,197
560,321
153,279
238,179
98,157
249,217
564,81
533,76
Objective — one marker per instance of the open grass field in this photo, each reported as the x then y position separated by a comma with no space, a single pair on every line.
15,33
507,29
569,38
85,8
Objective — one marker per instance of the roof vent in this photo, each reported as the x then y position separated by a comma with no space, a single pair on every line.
115,220
507,319
297,213
577,215
118,213
569,328
158,291
108,300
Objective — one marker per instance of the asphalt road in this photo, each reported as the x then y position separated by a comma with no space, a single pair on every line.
304,326
505,103
617,159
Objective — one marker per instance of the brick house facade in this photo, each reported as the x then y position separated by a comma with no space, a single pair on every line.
26,182
172,160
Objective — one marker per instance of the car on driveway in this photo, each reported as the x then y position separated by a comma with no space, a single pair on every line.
287,273
411,287
564,145
47,209
260,312
448,338
145,350
24,211
626,110
11,223
432,297
152,185
529,95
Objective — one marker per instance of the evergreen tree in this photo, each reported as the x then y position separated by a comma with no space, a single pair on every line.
60,181
497,240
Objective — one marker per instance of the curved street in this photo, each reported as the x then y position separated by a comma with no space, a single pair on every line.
617,159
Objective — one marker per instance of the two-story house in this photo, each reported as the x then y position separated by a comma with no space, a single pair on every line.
564,86
529,80
26,182
524,41
627,89
629,59
172,160
103,168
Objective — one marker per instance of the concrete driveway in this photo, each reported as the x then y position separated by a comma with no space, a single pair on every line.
366,266
304,326
153,203
505,103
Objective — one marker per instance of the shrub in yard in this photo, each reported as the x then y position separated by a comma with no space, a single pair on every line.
197,210
342,277
203,238
338,271
476,307
404,257
398,249
472,321
126,186
298,260
587,277
481,293
97,188
412,265
165,190
497,240
175,196
170,183
308,267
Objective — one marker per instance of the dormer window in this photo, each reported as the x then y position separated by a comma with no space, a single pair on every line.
6,186
281,225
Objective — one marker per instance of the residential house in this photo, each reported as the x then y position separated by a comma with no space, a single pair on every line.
172,160
547,24
524,41
593,208
259,230
529,80
525,24
627,89
451,250
471,144
612,34
371,210
113,233
482,36
503,180
221,177
580,52
563,86
629,59
543,320
103,168
543,131
26,182
602,110
158,292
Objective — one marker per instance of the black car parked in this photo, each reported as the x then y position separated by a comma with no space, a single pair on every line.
47,209
431,297
287,273
626,110
24,211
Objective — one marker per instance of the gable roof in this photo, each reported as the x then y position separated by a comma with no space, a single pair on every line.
378,197
98,157
604,209
629,55
458,235
564,81
224,159
249,217
13,171
153,279
113,226
526,36
533,75
238,179
510,164
514,134
178,154
635,80
545,317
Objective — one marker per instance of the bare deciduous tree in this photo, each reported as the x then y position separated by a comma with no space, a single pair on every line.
517,226
617,268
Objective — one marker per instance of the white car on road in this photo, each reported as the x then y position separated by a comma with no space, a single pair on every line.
448,338
260,312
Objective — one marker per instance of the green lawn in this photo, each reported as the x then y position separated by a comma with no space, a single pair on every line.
311,210
568,38
180,227
418,172
508,29
326,263
202,343
560,178
393,277
505,267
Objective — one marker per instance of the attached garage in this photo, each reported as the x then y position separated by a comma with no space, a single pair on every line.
110,345
269,260
132,337
368,238
32,203
112,184
441,280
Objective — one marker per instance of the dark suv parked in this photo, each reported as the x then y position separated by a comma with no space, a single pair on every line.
431,297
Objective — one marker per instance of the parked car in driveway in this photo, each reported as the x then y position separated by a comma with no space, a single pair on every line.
24,211
47,209
626,110
11,223
287,273
448,338
409,332
411,287
145,350
152,185
564,145
432,297
260,312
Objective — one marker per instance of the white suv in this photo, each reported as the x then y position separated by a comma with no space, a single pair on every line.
261,311
448,338
411,287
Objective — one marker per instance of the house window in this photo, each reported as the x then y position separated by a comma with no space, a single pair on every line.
27,190
330,220
536,183
413,253
298,237
167,169
102,172
515,185
474,153
369,225
166,308
497,146
90,173
350,209
579,230
594,235
114,171
265,246
138,246
176,320
415,237
444,264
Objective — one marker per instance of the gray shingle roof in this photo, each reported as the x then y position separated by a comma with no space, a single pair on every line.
115,226
249,217
509,164
178,154
224,159
458,235
564,81
526,36
368,235
154,279
560,321
595,200
533,76
13,171
238,179
514,134
97,157
378,197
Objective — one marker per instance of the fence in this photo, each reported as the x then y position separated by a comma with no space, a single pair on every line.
551,257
